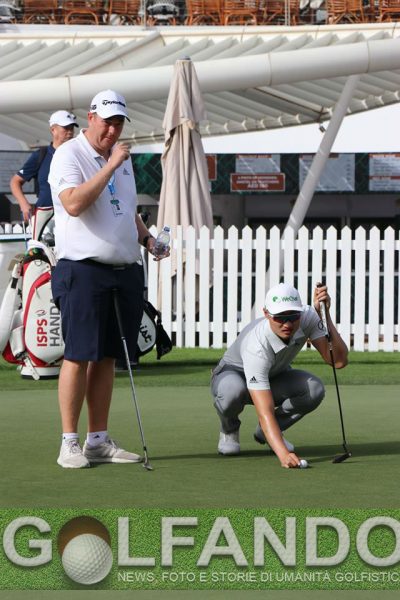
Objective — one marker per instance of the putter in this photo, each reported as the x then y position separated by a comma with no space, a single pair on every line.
347,454
146,462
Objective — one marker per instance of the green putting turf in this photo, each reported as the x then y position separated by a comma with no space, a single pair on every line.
181,430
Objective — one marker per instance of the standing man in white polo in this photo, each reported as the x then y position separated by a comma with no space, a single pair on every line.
97,234
256,370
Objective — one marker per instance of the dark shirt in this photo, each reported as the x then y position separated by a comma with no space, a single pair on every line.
40,172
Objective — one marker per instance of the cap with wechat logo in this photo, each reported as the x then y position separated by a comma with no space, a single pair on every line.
63,118
282,298
109,104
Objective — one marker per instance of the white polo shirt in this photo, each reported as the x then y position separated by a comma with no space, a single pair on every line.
261,354
104,232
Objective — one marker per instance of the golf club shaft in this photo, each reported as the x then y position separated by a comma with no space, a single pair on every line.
128,365
325,323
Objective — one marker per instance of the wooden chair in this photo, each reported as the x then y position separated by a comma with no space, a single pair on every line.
37,11
345,10
275,12
84,12
389,10
240,11
203,12
128,11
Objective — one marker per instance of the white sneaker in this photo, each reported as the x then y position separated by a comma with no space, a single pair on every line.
71,455
109,452
229,443
260,439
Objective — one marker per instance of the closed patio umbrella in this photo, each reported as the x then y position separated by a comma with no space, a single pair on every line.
185,197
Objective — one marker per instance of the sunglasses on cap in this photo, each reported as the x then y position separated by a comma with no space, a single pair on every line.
286,318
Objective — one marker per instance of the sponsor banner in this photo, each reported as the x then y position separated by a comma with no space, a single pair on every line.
163,549
258,182
338,174
258,163
384,172
212,166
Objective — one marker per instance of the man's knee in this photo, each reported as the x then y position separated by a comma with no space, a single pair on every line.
316,392
230,395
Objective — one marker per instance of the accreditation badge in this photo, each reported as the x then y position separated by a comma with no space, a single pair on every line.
116,207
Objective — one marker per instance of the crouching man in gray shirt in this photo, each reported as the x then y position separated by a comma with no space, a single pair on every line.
256,370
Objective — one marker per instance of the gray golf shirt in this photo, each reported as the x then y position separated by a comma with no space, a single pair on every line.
261,354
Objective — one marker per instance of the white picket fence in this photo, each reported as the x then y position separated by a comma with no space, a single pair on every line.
210,308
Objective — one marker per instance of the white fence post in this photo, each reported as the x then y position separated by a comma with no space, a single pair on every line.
232,299
345,286
218,288
374,289
388,291
359,289
246,277
204,288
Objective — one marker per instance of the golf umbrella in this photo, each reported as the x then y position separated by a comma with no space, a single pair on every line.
185,197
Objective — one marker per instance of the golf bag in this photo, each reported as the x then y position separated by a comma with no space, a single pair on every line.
30,322
152,333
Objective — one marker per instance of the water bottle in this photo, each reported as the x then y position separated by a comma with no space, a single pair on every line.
162,242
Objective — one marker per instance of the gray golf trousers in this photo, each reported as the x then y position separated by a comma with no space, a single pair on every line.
295,394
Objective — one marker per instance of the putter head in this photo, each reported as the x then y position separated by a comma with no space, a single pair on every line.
341,457
146,463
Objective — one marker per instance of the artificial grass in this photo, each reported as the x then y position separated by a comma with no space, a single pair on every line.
181,430
192,366
200,595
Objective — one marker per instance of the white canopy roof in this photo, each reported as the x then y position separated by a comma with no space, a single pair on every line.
252,78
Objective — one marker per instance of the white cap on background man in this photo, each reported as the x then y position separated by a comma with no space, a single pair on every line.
63,118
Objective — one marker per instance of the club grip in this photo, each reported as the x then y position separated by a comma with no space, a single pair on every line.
322,309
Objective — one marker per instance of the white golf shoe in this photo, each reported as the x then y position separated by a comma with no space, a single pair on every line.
71,455
109,452
229,443
260,439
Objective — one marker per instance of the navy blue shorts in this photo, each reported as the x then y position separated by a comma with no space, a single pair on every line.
83,292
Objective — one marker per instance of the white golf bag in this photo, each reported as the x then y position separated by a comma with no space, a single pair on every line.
30,323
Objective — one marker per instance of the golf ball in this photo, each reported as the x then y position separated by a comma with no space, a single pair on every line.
84,544
303,464
87,559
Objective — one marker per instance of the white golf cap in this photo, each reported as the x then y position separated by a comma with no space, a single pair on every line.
109,104
281,298
63,118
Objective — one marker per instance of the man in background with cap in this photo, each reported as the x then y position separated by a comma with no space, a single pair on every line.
97,235
62,125
256,370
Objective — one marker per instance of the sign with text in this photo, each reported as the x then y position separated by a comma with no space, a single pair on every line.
337,176
258,163
384,172
258,182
